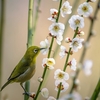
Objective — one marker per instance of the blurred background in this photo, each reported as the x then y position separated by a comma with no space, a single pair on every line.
14,46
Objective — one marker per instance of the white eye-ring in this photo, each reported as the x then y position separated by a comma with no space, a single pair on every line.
35,50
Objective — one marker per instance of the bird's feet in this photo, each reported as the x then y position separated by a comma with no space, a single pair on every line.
26,93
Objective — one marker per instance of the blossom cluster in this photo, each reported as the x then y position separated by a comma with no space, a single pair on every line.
76,22
56,28
56,31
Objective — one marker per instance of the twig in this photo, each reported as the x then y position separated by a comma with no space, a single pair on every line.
30,38
96,91
36,17
2,6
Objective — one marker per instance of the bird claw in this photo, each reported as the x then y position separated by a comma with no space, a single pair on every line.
26,93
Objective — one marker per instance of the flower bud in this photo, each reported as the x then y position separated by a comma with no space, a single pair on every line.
45,92
77,82
32,94
40,79
81,33
67,40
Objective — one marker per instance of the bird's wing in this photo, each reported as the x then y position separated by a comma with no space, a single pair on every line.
22,66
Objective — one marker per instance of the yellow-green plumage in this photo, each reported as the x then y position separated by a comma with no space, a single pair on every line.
25,69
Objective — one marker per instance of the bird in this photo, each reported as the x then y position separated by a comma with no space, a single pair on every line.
25,69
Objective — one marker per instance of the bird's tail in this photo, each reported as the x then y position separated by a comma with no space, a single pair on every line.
5,85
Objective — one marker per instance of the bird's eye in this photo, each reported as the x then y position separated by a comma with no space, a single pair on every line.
35,50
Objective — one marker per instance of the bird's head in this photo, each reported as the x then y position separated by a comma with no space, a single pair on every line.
33,51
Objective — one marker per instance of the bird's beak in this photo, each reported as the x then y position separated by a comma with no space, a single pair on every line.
42,48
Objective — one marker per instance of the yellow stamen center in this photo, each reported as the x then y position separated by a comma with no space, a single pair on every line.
64,8
49,62
60,75
56,28
77,22
85,9
75,43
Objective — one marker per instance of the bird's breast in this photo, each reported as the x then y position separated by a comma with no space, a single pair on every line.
27,74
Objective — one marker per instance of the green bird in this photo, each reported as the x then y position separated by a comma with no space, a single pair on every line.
25,69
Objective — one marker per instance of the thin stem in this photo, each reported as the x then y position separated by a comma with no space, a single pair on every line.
29,39
45,69
59,90
2,13
36,17
40,85
50,47
96,91
85,49
59,10
49,53
65,66
30,24
66,62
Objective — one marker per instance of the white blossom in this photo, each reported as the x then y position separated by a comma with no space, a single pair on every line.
49,62
59,38
54,14
85,9
76,21
45,92
65,9
76,44
51,98
61,75
87,65
57,29
64,85
62,52
73,64
45,44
